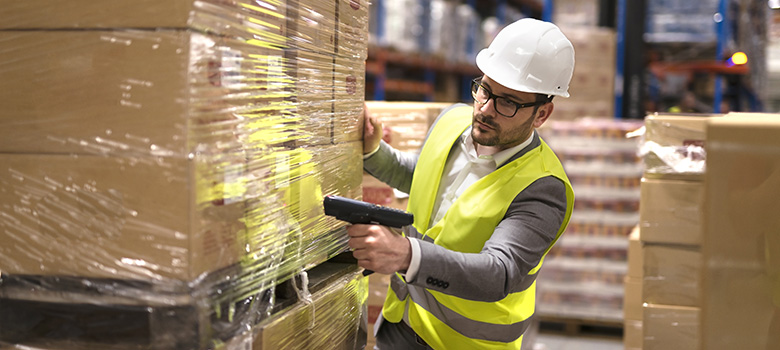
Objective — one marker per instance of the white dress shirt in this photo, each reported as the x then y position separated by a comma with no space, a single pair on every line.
463,168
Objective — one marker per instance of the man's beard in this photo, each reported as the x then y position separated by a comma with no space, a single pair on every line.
497,137
481,138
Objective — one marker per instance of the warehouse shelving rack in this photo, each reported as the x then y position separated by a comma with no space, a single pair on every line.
428,68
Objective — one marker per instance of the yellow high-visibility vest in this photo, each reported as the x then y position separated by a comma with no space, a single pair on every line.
445,321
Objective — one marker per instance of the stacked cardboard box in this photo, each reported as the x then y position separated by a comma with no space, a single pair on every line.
663,295
741,236
592,84
331,317
632,299
582,277
577,12
170,174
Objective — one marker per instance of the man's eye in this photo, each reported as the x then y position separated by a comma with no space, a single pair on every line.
506,103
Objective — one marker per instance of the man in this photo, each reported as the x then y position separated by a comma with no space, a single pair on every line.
489,197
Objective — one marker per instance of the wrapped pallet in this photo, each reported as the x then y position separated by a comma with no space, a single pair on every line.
163,164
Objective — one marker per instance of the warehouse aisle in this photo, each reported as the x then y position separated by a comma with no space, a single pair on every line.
546,341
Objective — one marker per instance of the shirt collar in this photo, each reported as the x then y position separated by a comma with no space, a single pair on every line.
500,157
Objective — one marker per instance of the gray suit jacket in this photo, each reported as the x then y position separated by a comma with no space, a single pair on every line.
516,246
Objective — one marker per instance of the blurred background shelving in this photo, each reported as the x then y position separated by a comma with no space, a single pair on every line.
423,50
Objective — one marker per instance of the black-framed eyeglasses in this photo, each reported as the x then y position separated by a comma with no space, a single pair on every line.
502,105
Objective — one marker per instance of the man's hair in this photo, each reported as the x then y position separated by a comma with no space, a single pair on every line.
542,98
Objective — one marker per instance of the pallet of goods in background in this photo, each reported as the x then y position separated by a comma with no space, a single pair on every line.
582,277
662,288
161,186
592,83
705,249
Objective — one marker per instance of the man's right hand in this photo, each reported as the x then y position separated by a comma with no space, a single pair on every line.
372,132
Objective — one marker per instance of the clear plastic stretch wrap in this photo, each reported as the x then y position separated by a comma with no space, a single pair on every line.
331,318
674,145
163,163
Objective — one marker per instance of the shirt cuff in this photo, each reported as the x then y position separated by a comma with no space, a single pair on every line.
368,155
414,265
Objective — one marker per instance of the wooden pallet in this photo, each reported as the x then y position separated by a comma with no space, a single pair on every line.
67,313
581,327
78,313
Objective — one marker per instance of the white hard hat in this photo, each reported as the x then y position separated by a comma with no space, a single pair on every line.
530,56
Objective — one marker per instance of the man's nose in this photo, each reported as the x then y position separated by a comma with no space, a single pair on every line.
488,108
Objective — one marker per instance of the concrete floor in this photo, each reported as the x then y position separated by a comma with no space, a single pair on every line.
546,341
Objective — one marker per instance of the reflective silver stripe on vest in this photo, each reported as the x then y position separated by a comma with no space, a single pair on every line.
472,329
412,232
400,288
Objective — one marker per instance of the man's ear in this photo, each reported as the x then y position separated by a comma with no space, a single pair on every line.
543,113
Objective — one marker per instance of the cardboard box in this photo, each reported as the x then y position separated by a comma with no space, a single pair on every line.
674,146
352,29
672,275
593,44
406,123
332,319
342,168
121,218
313,96
435,109
670,211
407,112
668,327
349,91
592,82
137,93
311,25
81,14
742,233
156,218
401,113
577,13
633,334
377,192
632,299
636,259
315,172
573,109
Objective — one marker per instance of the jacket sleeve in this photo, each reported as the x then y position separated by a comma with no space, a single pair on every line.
394,167
515,248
